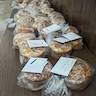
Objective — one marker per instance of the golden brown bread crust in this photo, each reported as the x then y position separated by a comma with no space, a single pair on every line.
56,17
24,24
80,75
77,44
20,38
60,48
57,49
32,52
41,22
24,29
39,77
71,29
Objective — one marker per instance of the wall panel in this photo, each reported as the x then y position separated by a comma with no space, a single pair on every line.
82,14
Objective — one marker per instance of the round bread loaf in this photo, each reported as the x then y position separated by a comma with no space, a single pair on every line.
20,39
34,81
56,17
80,76
57,49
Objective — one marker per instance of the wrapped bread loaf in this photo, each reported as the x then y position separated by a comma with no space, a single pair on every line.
50,36
69,28
26,53
33,10
57,49
25,19
56,17
20,39
34,81
24,3
77,44
23,29
80,76
24,24
46,9
41,22
45,3
21,13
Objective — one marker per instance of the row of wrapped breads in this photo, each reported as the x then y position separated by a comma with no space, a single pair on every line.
31,18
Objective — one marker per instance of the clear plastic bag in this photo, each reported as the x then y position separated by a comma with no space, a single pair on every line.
80,76
23,29
21,38
34,81
50,36
21,13
68,28
56,87
56,17
46,9
41,22
77,44
26,53
34,11
57,49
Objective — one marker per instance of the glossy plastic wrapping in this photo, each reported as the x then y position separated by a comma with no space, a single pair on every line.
80,76
34,81
57,49
56,87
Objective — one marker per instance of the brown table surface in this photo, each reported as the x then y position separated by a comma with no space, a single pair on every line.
10,67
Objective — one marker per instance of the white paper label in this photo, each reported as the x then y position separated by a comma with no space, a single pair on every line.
51,28
61,40
72,36
37,43
64,66
35,65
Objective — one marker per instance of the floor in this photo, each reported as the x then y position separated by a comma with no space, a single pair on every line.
10,66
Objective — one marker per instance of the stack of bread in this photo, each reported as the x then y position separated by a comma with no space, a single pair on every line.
30,20
34,81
